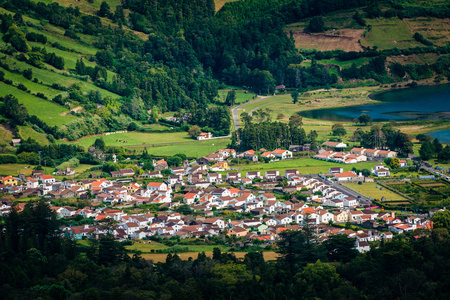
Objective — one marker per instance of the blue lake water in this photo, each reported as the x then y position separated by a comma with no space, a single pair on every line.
426,103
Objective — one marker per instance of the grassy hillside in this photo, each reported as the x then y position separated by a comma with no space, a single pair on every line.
49,112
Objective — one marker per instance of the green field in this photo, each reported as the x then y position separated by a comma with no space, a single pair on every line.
48,77
370,189
49,112
160,143
15,169
26,132
388,34
241,96
304,166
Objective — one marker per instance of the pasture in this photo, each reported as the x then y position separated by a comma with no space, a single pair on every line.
15,169
241,96
49,112
370,189
47,77
26,132
389,33
166,144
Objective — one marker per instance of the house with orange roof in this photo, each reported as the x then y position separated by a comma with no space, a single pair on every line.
237,232
157,186
47,178
346,176
9,180
220,166
282,154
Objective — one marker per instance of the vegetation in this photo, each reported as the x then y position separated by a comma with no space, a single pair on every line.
56,267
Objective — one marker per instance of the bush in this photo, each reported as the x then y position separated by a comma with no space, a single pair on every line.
8,159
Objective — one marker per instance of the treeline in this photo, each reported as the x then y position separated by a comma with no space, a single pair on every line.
37,262
271,135
384,136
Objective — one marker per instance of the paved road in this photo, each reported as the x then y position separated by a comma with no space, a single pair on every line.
363,200
234,111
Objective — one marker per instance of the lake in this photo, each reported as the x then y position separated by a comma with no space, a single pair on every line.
423,103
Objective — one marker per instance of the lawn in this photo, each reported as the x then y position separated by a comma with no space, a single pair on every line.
370,189
388,34
138,138
304,166
5,139
168,144
191,149
241,96
26,132
47,111
15,169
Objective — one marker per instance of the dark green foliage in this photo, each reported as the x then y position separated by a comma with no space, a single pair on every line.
365,118
340,248
36,37
231,98
100,144
359,19
8,159
28,74
426,151
105,10
316,24
338,130
14,110
421,39
271,135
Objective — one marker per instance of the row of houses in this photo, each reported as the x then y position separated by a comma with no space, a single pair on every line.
356,155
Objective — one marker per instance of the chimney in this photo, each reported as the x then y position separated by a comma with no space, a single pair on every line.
393,214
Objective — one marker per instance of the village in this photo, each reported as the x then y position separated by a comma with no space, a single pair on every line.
251,206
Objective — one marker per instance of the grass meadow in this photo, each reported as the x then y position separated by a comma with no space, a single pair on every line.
370,189
26,132
47,111
389,33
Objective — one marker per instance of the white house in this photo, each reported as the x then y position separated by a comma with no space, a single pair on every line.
204,136
157,186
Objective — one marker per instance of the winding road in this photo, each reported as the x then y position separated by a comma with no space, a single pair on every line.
235,114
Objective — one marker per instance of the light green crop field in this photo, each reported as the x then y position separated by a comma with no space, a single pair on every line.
84,6
57,36
137,138
34,87
370,189
15,169
26,132
304,166
389,33
49,112
241,96
191,149
48,77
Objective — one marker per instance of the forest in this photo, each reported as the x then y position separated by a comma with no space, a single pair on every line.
38,261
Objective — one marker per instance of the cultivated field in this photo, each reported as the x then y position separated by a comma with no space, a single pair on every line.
343,39
220,3
435,30
185,256
370,189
